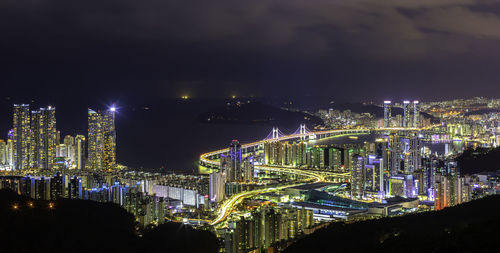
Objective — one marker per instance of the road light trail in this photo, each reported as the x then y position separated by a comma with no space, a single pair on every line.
230,204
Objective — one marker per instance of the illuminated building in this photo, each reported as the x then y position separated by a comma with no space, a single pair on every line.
266,227
416,114
450,190
234,173
56,187
299,151
44,134
42,188
406,114
75,188
316,157
274,153
374,180
69,141
387,114
402,185
3,152
248,170
286,154
79,152
267,152
217,184
415,155
95,140
101,139
394,153
10,149
21,136
62,151
358,174
334,158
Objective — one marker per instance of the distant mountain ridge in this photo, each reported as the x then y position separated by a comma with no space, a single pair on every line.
258,113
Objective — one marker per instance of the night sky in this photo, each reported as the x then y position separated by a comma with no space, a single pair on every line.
349,49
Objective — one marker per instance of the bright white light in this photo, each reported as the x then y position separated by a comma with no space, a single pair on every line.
406,102
113,109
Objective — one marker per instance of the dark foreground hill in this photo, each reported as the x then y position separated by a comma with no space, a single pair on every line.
86,226
470,227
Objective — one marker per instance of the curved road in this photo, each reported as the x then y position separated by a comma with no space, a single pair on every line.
230,204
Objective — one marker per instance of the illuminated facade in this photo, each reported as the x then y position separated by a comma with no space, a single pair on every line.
21,137
394,153
248,170
416,114
450,190
415,154
3,152
234,173
217,191
69,141
101,140
44,135
387,114
285,153
334,158
358,176
406,114
79,152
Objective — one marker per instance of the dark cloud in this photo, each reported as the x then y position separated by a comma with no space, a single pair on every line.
351,49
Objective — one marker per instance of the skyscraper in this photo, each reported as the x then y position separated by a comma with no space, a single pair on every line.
80,152
218,184
3,152
394,154
44,135
387,113
415,154
416,114
358,175
109,138
248,170
69,141
407,114
10,148
101,139
21,136
234,173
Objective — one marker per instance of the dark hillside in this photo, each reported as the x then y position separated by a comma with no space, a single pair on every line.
470,227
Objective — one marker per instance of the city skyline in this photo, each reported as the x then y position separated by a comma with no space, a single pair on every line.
266,195
249,126
35,143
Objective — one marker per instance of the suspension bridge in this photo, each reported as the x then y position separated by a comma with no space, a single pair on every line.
302,133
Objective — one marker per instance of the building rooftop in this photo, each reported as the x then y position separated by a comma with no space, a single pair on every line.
325,207
311,186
